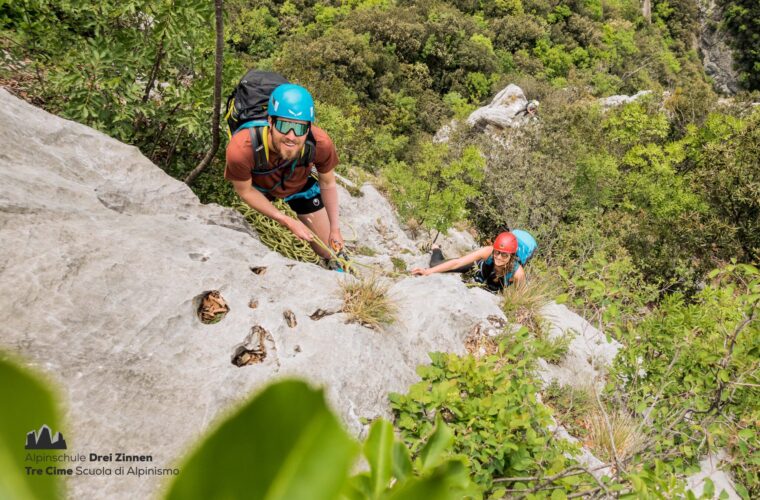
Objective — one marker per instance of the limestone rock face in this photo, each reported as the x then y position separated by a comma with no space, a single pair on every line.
107,257
444,133
717,56
589,352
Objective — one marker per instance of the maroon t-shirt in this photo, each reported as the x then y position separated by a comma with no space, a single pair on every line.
240,163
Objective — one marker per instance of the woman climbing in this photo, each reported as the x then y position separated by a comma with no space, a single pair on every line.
498,265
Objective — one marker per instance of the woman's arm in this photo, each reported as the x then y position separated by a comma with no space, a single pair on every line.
481,253
518,279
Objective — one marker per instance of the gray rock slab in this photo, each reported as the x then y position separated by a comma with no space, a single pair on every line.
714,48
712,467
588,355
371,221
107,257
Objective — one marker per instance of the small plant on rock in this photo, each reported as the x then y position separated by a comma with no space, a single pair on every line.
614,436
366,301
522,303
551,348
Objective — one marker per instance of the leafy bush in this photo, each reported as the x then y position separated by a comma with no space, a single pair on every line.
609,292
727,173
743,20
490,406
434,188
703,354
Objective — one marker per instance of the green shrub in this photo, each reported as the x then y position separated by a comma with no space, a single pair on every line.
434,188
704,355
741,18
490,407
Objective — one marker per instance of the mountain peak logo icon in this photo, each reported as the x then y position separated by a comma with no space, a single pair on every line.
42,440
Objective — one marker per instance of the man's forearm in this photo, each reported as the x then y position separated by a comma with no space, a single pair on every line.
261,204
330,199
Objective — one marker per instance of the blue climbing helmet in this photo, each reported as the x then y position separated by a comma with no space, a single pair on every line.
291,101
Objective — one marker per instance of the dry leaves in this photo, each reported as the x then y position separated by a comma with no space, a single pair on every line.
212,307
479,343
245,355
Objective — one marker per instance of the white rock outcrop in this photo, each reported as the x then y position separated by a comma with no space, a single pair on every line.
619,100
503,110
711,467
588,355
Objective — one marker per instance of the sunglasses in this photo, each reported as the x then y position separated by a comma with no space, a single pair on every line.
503,254
284,126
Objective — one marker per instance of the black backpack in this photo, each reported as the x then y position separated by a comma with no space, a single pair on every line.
247,108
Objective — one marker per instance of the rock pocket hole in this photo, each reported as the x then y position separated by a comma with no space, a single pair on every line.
258,270
320,313
290,318
253,350
212,307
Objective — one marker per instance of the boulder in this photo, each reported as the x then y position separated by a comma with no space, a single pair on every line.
503,109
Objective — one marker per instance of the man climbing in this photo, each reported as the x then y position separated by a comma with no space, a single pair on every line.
498,265
275,161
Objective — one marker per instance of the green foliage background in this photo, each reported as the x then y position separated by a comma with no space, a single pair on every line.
633,206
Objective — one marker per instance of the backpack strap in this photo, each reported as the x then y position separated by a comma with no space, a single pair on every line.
260,146
260,150
230,106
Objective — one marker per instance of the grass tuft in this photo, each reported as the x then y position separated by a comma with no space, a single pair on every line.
571,406
522,303
552,349
622,432
366,301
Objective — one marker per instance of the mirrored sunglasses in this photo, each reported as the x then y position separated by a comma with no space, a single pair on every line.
284,126
503,254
